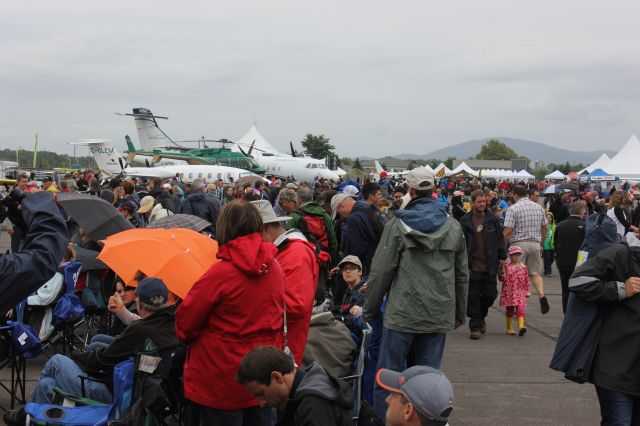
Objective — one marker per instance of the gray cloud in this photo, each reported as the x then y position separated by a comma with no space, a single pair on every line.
377,78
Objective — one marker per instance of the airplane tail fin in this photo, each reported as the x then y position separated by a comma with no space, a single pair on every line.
130,146
379,168
107,158
149,133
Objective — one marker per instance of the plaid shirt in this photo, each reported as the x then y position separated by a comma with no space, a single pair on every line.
525,218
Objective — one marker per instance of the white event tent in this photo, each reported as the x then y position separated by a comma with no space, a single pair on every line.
439,170
601,163
556,175
260,146
625,163
463,167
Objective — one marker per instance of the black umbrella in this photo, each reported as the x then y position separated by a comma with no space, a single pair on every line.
187,221
89,259
95,216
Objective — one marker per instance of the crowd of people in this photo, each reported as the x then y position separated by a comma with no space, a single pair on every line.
307,269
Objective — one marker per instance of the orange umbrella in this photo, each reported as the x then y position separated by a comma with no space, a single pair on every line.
178,256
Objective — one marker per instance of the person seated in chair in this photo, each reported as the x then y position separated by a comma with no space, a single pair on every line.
157,322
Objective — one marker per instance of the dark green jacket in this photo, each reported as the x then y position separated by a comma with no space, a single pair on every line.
313,209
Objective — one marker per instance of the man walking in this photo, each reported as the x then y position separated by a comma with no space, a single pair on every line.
421,263
524,226
486,255
568,240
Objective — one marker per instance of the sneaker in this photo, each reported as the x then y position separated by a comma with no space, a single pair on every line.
475,335
15,417
544,305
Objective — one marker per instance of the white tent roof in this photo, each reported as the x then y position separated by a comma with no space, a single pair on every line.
261,146
438,169
625,163
555,175
525,174
601,163
463,167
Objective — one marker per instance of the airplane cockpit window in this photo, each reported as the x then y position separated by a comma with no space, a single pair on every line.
322,166
308,166
314,166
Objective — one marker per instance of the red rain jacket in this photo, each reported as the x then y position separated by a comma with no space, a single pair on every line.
236,305
298,260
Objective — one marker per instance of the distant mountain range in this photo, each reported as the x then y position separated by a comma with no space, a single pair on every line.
534,151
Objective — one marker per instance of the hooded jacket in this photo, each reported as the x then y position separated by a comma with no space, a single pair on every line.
601,280
330,344
298,261
236,305
317,399
205,208
313,209
421,262
363,230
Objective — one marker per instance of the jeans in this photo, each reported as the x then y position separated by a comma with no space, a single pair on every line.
565,274
483,291
618,408
206,416
397,347
548,261
60,371
99,341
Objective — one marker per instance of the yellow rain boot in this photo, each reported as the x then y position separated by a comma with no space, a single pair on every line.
521,327
510,329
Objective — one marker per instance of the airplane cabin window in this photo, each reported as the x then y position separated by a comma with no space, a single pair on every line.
199,175
190,175
209,176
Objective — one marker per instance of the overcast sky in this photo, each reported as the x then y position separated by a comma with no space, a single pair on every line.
376,77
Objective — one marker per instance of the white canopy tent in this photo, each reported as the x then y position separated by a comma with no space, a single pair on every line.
556,175
441,170
523,174
625,163
464,168
261,145
601,163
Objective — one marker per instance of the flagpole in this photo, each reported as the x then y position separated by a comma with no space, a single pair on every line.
35,152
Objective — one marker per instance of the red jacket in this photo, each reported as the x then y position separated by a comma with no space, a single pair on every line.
298,260
236,305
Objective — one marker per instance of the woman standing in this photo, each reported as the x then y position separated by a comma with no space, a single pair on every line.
618,211
236,305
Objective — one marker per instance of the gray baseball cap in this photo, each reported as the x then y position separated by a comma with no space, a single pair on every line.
420,178
351,259
426,388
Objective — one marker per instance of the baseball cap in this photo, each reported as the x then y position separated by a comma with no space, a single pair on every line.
420,178
152,291
350,190
426,388
515,250
267,213
335,202
146,204
383,174
351,259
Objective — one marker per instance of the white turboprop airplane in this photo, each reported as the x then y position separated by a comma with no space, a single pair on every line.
110,162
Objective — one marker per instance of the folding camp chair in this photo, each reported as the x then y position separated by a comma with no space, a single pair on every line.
18,365
358,371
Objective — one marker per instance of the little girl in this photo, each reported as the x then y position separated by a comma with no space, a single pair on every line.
515,290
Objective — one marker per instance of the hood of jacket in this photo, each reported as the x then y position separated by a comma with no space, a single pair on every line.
312,208
291,234
424,214
318,382
250,254
196,196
